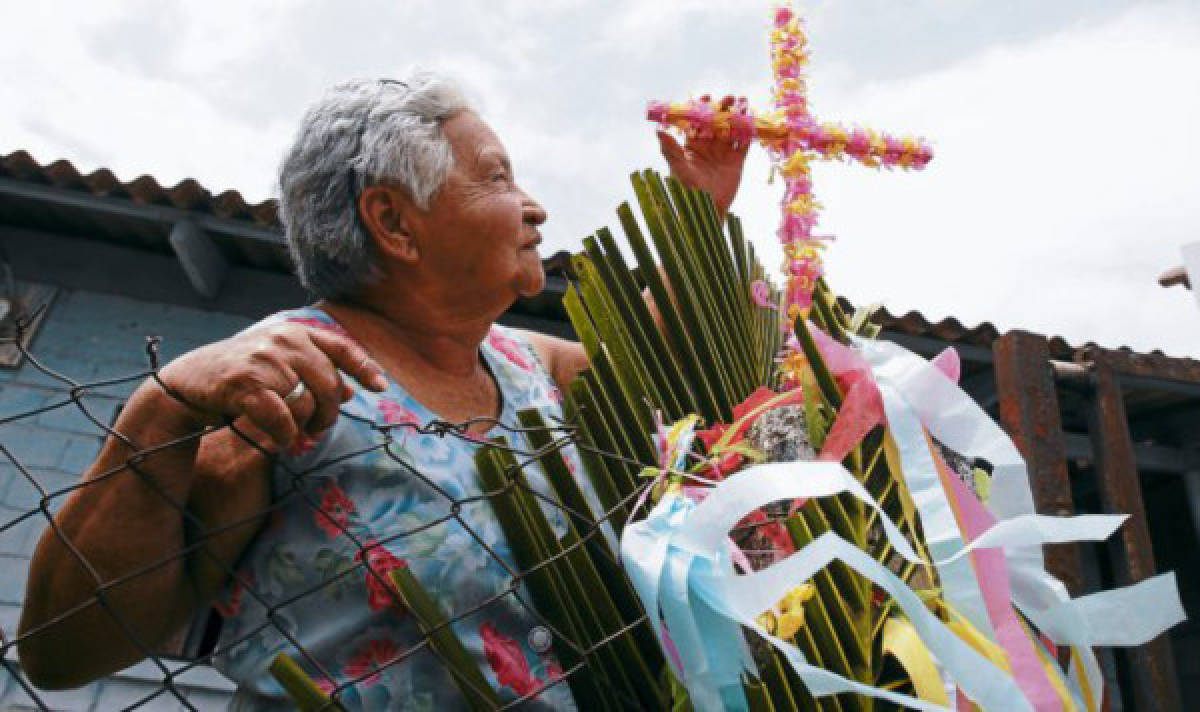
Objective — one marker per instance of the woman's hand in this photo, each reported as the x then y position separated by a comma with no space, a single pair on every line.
713,165
250,376
127,518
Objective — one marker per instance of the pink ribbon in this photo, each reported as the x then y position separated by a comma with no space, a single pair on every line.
992,574
761,294
862,407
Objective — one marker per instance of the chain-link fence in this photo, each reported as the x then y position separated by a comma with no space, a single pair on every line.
590,635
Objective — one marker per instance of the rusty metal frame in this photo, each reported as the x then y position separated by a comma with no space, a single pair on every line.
1029,412
1152,666
1027,384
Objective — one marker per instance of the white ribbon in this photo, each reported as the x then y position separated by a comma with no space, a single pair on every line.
957,421
682,570
664,547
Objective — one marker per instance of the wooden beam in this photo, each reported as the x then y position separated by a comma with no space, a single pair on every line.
1174,276
1147,458
1152,368
94,265
1155,683
202,262
54,196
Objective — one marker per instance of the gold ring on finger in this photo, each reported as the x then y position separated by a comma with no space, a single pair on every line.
295,394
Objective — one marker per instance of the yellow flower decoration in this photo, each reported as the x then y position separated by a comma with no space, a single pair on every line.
787,617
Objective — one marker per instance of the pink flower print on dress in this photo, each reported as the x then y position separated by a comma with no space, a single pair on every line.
480,438
510,349
507,661
554,672
396,414
232,605
551,667
366,662
302,445
336,510
324,685
319,324
379,564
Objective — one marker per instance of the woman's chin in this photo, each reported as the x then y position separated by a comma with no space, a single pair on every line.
531,282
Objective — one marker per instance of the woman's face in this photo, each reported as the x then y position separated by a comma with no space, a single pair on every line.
481,230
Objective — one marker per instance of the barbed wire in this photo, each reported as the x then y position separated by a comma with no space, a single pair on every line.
391,439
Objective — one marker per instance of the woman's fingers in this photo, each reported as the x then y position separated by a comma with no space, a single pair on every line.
257,376
266,409
316,361
669,146
351,358
324,389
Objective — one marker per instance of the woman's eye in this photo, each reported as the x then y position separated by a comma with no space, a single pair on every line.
500,177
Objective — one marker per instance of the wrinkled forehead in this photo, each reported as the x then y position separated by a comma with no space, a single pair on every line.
473,141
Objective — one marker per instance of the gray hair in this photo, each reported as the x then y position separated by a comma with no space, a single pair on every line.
360,133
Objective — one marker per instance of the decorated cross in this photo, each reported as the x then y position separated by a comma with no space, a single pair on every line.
794,138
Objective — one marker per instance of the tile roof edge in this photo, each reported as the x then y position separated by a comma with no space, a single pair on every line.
190,195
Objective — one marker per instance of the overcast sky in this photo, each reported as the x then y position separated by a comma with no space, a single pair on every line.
1065,132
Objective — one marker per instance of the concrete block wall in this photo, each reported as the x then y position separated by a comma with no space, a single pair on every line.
86,337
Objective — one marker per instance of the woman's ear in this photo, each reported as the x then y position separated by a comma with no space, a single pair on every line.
387,214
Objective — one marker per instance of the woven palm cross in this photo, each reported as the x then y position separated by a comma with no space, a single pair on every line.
794,139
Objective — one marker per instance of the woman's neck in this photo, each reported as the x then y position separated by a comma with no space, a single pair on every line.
422,343
436,362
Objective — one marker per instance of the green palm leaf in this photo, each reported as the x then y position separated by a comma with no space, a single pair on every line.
715,348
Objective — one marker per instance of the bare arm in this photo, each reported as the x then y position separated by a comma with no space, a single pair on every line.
563,359
128,523
129,527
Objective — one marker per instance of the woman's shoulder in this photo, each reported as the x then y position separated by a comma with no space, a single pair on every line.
306,315
520,369
514,346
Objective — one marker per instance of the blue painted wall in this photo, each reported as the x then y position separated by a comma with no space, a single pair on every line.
87,337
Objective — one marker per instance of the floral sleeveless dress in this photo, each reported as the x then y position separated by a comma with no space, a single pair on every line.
302,583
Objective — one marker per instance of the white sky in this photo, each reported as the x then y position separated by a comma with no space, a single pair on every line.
1065,132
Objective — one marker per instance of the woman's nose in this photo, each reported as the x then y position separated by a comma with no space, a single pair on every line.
535,214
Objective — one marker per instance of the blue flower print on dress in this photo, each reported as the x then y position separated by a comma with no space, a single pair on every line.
372,494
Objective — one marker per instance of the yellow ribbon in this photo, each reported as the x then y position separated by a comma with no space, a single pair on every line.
901,641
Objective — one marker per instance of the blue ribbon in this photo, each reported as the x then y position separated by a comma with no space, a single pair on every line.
679,561
665,575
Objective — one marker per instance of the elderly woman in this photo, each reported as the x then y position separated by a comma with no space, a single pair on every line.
405,218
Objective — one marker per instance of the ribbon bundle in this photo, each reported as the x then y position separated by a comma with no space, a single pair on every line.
979,538
987,556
